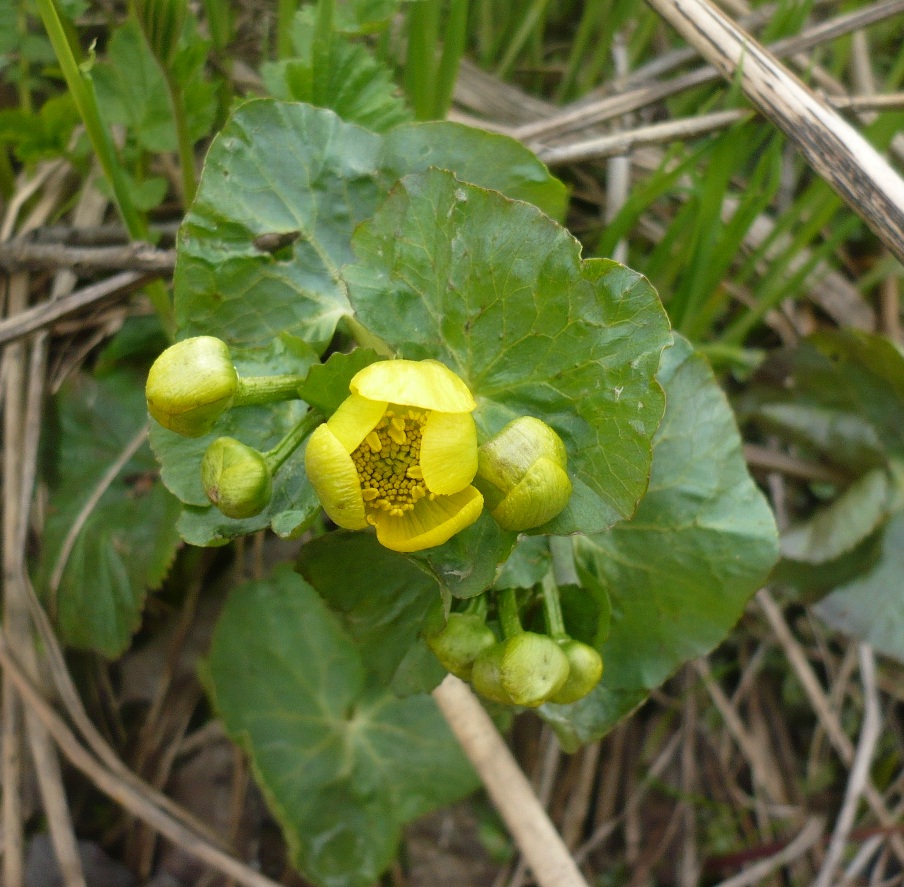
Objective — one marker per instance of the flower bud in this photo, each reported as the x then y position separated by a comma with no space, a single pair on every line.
191,385
527,668
460,641
585,670
521,473
236,478
486,675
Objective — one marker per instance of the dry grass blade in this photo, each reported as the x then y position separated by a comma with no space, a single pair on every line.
583,114
47,313
807,838
850,164
827,716
121,791
866,746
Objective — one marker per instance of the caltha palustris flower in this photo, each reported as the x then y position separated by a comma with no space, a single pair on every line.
399,454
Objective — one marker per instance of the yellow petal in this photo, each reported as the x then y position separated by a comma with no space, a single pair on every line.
430,523
333,476
356,417
448,452
426,384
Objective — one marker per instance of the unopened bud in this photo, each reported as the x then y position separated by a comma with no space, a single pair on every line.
191,385
585,670
527,668
236,478
460,642
522,474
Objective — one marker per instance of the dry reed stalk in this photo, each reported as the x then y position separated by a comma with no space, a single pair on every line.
846,160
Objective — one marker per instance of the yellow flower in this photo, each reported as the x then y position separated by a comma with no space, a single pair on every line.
399,455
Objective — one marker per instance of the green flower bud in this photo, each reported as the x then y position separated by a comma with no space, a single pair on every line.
585,670
486,675
236,478
191,385
521,473
460,641
527,668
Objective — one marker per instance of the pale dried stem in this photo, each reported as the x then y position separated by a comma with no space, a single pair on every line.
762,769
120,790
539,842
839,687
859,773
827,716
582,114
579,801
22,407
688,862
92,296
110,475
847,161
808,837
25,255
633,801
544,780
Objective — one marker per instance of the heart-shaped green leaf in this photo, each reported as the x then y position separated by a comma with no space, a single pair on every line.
497,291
672,602
342,767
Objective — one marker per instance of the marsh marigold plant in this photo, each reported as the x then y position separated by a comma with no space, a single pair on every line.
399,454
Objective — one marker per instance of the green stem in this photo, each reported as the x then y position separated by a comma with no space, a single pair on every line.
563,567
186,148
292,441
322,51
420,70
455,36
508,613
82,91
477,606
24,88
285,13
552,608
267,389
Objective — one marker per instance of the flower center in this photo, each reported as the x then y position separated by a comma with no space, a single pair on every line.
388,463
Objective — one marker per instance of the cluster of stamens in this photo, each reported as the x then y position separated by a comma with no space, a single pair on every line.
388,463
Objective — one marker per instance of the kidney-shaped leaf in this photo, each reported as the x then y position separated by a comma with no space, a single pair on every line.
283,187
125,536
497,290
342,767
679,573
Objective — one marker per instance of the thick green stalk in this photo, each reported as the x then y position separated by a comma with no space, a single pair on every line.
267,389
508,613
552,608
82,91
292,441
